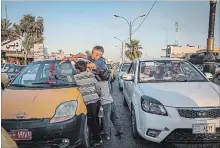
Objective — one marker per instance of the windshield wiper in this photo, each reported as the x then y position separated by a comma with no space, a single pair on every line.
18,85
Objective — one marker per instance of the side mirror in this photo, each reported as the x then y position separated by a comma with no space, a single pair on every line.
209,76
127,77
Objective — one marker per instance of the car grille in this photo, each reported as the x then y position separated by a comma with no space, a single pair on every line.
186,136
199,113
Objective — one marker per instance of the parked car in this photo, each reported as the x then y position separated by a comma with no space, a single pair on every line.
6,140
122,70
14,70
6,66
171,101
43,107
217,71
110,67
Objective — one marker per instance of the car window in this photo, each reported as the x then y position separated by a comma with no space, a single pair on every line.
44,73
169,71
7,66
125,67
12,69
131,70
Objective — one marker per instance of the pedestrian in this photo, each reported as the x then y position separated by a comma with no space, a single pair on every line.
109,108
86,83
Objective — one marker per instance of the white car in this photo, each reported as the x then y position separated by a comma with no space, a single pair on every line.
171,101
122,70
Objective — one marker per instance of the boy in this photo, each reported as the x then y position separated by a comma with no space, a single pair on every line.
107,102
86,83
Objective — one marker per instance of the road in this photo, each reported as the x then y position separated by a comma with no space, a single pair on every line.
126,140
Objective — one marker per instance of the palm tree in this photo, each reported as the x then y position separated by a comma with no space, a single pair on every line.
133,51
88,52
7,30
31,30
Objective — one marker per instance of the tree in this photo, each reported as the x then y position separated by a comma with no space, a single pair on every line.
88,52
31,30
133,51
7,30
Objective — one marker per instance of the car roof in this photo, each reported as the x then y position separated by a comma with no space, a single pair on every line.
160,59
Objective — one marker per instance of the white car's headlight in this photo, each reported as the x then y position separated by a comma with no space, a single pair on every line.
65,111
152,106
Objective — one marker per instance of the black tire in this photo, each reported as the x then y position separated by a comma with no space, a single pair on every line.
135,133
124,102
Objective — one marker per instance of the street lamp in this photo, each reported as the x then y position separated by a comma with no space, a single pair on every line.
122,49
130,24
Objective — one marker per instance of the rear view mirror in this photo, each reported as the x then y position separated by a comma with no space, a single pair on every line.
127,77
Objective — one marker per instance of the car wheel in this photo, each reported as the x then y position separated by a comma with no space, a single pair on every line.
124,102
86,138
134,124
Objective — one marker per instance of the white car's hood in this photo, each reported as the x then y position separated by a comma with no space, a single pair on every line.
180,94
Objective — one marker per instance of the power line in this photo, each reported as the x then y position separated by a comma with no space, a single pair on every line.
144,18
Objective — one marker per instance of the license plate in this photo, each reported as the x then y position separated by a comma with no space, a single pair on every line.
21,134
203,128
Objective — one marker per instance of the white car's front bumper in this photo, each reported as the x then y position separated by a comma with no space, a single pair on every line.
174,128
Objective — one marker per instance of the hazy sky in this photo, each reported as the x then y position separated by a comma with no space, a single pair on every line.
78,26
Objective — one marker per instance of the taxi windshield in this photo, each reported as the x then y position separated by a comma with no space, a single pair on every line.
46,73
169,71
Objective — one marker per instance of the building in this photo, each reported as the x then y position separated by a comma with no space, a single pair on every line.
175,51
38,52
12,51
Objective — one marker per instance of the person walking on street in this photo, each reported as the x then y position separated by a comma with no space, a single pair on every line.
86,82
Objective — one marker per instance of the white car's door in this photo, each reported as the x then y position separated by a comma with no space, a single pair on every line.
129,86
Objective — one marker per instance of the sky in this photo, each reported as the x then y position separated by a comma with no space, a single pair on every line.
79,26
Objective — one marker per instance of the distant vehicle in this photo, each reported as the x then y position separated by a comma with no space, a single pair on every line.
217,71
6,66
122,70
14,70
110,67
171,102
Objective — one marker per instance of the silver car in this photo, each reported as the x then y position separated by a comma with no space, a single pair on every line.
122,70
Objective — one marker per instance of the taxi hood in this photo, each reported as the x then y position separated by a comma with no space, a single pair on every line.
40,103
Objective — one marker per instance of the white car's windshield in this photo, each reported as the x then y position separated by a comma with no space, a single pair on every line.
44,74
169,71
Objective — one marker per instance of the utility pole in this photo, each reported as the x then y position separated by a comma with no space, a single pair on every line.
209,59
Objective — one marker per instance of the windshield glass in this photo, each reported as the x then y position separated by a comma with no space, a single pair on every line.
169,71
109,66
125,67
44,73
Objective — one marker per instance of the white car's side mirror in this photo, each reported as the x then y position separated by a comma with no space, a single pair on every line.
128,77
209,76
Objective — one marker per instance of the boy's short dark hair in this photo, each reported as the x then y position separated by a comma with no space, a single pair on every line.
81,66
100,48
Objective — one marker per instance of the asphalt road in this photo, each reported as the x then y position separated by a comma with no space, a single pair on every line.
126,140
